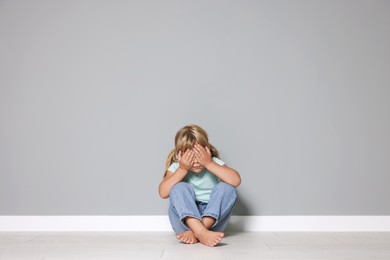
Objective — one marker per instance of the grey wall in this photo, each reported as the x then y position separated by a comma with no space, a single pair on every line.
294,94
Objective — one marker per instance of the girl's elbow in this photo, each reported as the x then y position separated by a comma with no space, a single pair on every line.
163,194
237,182
234,182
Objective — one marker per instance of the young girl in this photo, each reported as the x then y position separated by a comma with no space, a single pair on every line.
200,186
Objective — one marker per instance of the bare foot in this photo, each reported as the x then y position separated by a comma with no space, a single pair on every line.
210,238
187,237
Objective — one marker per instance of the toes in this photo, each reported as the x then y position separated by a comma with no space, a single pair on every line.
181,238
187,238
216,241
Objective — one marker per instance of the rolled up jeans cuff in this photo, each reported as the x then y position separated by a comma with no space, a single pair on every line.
188,215
212,215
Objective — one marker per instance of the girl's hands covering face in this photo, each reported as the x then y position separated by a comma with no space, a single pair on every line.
203,155
186,159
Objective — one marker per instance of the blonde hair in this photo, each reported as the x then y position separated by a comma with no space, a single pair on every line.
185,139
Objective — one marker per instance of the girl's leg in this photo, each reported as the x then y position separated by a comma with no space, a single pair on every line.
183,233
185,218
220,206
177,225
182,206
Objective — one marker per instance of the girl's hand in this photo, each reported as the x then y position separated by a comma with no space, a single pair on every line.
203,155
186,160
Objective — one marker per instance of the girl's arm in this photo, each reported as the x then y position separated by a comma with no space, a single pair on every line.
223,172
185,163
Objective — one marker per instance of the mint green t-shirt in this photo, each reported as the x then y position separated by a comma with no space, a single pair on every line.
202,183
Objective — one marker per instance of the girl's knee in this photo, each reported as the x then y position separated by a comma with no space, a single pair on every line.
180,187
227,188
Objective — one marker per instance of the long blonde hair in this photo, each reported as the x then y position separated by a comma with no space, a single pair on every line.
185,139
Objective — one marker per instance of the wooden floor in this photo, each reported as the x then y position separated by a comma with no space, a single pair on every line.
163,245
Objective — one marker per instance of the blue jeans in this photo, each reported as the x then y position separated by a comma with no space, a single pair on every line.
183,204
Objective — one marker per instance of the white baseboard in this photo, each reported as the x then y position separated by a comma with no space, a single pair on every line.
161,223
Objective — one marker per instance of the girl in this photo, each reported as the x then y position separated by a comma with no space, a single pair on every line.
200,186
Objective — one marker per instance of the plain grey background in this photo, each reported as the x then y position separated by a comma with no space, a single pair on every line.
294,94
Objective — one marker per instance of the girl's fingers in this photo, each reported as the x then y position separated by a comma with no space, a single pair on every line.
199,150
196,152
202,149
198,147
187,153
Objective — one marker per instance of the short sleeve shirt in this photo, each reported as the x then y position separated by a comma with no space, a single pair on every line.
202,183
